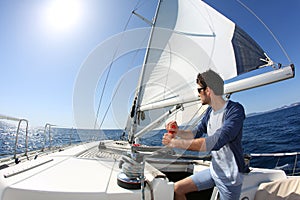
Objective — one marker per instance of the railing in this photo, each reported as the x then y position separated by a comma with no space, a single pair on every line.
45,135
20,120
294,170
17,134
26,138
15,153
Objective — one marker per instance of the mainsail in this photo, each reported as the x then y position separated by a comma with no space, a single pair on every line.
188,37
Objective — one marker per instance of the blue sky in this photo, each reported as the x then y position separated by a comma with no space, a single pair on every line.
43,45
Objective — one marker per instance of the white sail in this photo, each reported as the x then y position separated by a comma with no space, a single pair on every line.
189,37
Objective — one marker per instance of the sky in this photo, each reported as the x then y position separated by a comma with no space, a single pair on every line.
43,45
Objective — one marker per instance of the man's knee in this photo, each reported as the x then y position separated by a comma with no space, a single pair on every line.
179,189
184,186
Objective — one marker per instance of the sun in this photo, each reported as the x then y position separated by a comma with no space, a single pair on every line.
62,15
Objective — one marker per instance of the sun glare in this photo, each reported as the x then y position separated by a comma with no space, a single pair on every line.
62,15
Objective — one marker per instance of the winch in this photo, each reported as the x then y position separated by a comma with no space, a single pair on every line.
132,174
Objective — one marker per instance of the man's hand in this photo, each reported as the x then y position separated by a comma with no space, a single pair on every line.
172,127
167,138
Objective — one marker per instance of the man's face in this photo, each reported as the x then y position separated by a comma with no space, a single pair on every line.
202,93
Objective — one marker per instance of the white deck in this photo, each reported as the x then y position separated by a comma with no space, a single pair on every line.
63,175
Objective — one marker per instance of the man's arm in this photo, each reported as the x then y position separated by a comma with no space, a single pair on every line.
197,144
185,134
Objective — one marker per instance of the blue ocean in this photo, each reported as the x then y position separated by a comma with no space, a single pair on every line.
272,132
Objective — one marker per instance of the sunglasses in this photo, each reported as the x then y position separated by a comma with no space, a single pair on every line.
202,88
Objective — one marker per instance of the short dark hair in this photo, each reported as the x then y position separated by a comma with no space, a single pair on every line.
212,80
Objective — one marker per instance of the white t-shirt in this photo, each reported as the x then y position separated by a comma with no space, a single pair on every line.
223,167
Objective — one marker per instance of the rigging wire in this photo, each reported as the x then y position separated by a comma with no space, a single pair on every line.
269,30
113,97
193,118
138,5
108,73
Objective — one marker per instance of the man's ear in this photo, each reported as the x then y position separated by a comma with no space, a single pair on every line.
209,91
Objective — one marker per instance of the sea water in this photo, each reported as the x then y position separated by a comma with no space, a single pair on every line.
272,132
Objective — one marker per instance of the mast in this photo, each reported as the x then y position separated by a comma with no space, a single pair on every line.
135,107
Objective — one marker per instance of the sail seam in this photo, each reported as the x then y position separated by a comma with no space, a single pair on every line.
195,34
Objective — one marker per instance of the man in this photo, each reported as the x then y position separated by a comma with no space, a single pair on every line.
223,124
